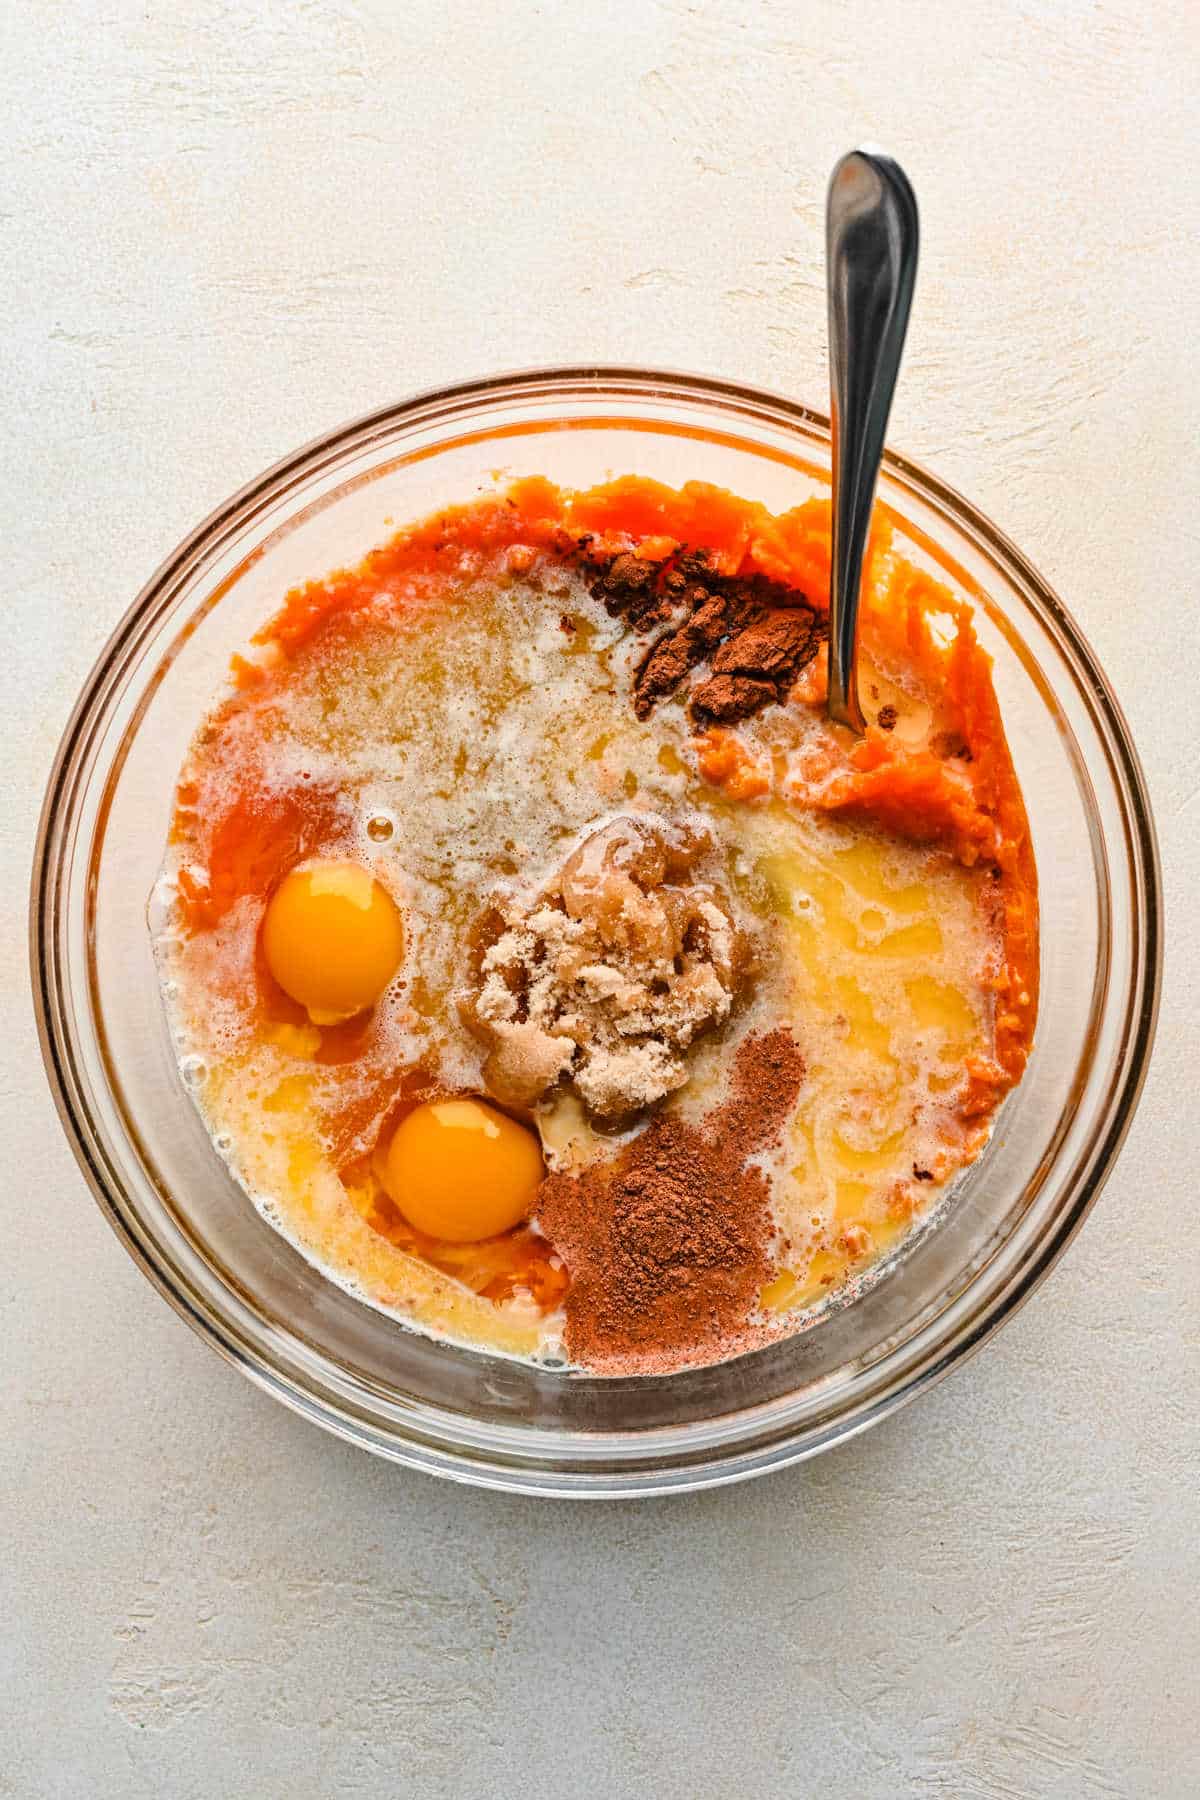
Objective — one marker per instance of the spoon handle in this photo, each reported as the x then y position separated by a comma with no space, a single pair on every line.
871,259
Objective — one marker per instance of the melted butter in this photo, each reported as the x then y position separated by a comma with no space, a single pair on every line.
885,947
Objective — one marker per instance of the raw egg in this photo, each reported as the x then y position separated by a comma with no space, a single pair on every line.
333,939
461,1171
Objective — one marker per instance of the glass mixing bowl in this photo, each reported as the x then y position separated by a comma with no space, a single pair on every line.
456,1411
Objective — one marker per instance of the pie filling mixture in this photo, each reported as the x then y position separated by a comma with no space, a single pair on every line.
547,968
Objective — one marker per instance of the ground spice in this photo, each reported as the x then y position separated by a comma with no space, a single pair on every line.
668,1244
751,635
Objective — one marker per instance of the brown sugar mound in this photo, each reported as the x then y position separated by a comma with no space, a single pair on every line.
609,974
668,1245
746,638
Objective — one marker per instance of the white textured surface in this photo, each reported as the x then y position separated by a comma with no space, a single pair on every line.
226,227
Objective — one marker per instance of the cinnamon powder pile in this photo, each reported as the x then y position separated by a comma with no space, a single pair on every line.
668,1244
735,644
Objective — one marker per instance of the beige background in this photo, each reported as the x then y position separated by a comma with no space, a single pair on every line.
226,227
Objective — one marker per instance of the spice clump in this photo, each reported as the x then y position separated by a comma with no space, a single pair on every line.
734,644
606,977
669,1244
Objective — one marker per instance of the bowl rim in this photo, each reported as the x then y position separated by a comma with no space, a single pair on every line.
516,1475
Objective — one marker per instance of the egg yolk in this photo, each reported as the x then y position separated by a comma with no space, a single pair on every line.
461,1171
333,939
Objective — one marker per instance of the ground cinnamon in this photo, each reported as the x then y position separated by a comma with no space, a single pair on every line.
749,638
668,1244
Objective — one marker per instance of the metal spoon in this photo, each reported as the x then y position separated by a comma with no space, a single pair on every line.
871,260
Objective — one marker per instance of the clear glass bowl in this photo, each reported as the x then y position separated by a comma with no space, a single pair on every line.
456,1411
